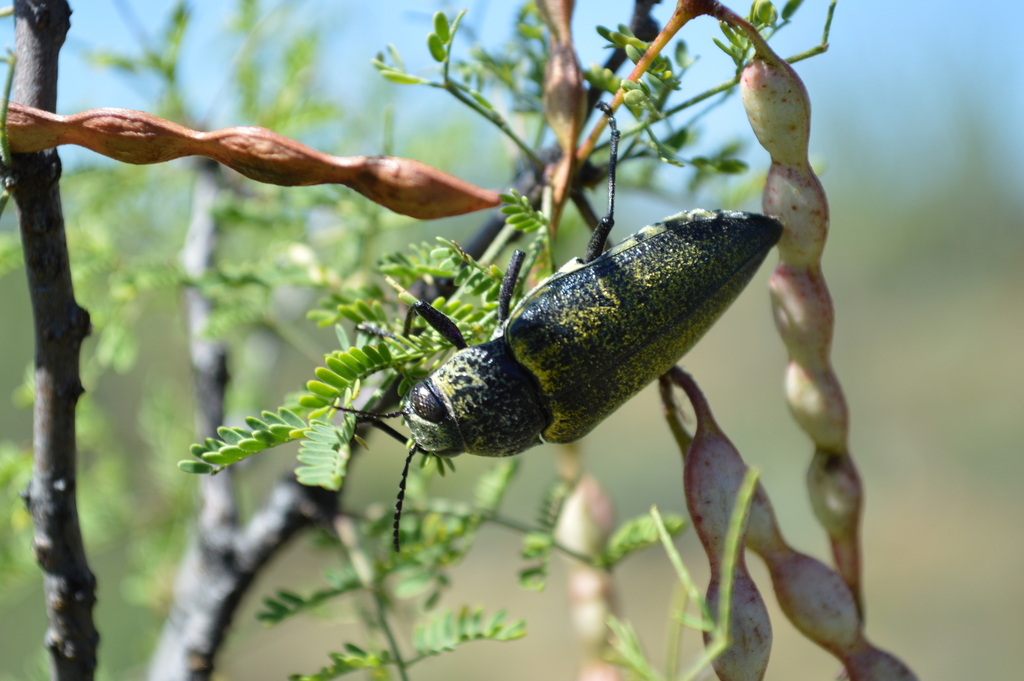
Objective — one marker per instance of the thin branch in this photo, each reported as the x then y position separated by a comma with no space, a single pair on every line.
5,147
525,529
224,557
216,574
382,616
60,327
461,93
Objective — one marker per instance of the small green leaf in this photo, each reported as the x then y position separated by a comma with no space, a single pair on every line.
790,8
282,431
218,459
264,436
536,544
342,369
372,356
234,453
634,54
361,357
291,418
764,12
401,78
308,401
195,467
252,445
272,418
342,336
636,534
731,166
681,55
436,47
331,378
254,423
229,435
414,584
322,389
534,578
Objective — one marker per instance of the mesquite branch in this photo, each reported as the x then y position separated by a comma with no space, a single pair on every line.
60,327
224,556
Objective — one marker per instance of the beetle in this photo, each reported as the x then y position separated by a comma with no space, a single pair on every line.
586,339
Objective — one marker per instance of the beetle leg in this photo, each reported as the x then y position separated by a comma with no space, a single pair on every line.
438,320
604,227
508,285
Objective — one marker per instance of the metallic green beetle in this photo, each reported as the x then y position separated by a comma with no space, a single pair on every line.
589,337
584,340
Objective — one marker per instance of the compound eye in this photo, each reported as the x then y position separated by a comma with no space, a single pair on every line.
426,404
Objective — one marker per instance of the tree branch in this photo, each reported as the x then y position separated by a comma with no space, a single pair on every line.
60,327
223,557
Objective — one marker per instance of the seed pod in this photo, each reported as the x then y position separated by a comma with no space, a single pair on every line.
565,98
584,525
779,112
400,184
778,109
813,596
817,600
712,476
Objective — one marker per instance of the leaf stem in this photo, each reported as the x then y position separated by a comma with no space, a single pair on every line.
524,528
5,146
382,617
460,93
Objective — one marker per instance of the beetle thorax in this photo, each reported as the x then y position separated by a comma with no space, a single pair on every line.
490,405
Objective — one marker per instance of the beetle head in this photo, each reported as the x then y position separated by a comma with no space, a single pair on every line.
481,401
431,422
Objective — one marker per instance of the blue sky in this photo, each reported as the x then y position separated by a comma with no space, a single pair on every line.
899,76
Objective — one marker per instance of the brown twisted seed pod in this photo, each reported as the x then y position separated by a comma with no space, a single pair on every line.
712,477
400,184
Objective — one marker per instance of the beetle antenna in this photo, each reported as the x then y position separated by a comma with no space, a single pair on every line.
604,227
388,430
370,414
401,493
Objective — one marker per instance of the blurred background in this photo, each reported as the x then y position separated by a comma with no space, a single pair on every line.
916,133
